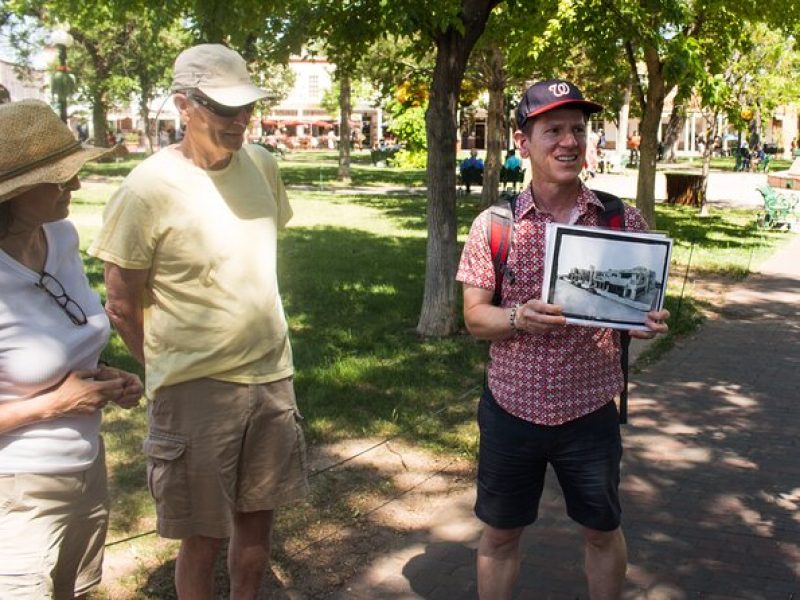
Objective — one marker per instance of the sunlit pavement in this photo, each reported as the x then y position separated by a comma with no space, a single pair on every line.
724,188
711,475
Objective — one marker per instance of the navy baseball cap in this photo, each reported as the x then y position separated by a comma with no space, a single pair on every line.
548,95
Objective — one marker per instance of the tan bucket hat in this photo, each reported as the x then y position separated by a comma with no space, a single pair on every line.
37,147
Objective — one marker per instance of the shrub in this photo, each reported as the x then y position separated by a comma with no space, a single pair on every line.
409,159
408,125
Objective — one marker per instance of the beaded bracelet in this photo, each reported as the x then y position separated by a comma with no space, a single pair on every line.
512,317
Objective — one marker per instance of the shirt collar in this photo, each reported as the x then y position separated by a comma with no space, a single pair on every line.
526,203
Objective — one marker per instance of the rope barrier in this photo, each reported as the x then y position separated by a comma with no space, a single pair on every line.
318,472
373,510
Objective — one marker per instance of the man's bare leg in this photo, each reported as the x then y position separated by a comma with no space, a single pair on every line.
498,562
606,563
194,568
249,553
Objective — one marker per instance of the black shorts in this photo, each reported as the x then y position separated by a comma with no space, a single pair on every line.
585,454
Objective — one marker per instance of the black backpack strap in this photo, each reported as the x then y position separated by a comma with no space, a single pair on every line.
613,216
625,342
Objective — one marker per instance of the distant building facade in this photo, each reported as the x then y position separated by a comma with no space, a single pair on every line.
21,88
302,115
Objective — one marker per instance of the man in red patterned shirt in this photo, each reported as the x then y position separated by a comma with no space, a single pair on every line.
550,386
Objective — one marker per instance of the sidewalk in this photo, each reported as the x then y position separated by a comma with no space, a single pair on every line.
725,189
711,475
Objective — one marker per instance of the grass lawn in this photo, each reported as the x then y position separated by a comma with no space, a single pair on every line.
352,274
351,269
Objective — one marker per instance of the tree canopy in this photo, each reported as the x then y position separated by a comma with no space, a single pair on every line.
714,52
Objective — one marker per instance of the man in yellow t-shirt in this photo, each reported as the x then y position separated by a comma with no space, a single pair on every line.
189,243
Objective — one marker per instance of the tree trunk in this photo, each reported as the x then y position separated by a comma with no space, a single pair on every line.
677,121
624,113
99,120
708,150
494,147
345,108
145,95
99,90
438,314
495,126
648,130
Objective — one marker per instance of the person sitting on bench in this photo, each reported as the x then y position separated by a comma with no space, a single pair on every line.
471,169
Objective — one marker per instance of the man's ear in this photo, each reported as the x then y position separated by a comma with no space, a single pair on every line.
521,141
182,104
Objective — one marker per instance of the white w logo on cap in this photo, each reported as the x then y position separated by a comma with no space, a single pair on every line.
559,89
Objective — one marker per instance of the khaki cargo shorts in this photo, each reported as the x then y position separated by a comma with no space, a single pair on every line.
215,448
52,532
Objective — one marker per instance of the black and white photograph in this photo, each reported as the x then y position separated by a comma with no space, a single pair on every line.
605,278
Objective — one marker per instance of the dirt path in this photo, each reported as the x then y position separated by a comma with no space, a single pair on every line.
357,511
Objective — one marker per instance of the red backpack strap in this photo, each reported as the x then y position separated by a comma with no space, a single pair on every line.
613,215
500,233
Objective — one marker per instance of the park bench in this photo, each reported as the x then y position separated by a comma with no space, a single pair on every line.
743,159
509,178
276,150
469,177
381,155
779,208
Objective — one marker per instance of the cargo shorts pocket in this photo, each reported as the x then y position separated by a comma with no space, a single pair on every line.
301,459
8,491
300,447
167,477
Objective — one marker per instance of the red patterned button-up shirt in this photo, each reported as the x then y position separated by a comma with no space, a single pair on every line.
557,377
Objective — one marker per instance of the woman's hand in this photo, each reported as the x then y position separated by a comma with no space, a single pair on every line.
82,393
132,388
656,323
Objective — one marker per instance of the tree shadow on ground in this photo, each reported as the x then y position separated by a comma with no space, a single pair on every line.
352,300
327,175
353,334
710,475
409,210
712,232
322,543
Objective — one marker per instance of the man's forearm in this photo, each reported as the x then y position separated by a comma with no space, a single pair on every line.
129,323
126,289
491,323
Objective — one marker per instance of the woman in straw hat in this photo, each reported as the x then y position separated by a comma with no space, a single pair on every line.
53,500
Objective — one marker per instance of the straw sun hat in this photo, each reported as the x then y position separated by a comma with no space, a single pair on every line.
37,147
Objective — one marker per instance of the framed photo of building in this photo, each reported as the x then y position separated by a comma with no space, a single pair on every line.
605,278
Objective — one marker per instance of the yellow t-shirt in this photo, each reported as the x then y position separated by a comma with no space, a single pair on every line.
209,239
